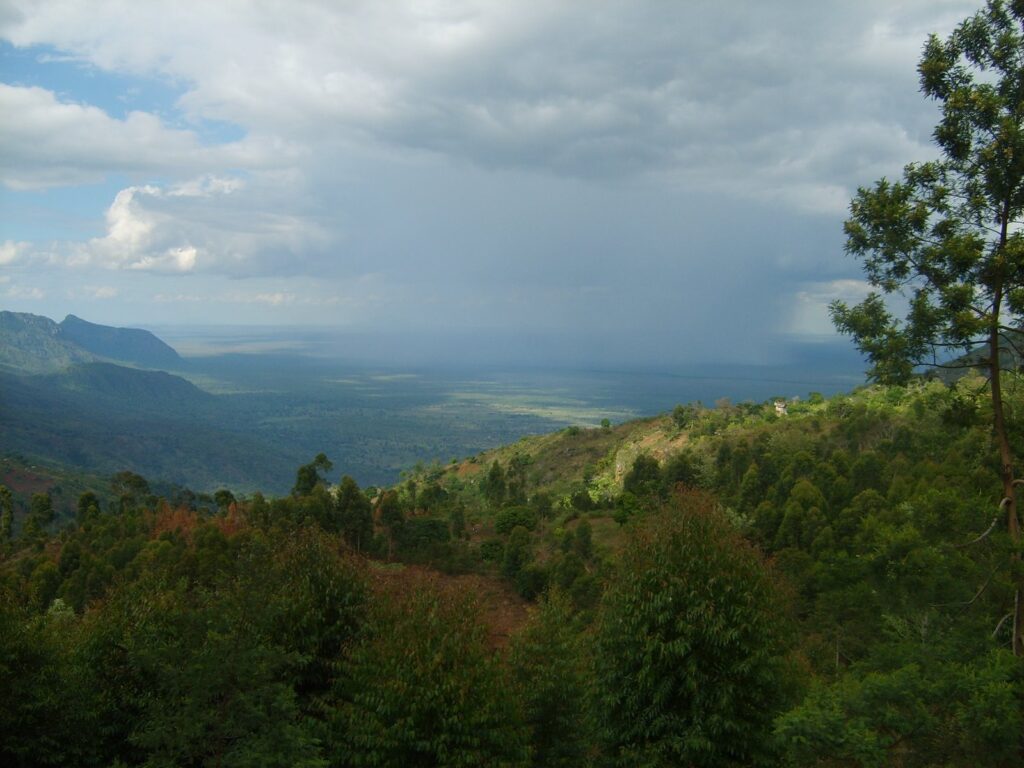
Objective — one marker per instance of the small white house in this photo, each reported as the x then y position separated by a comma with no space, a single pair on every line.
780,408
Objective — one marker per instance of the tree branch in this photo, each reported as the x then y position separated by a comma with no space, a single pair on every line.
1000,624
988,530
977,594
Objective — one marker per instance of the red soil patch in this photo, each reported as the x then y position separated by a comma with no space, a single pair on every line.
25,482
467,469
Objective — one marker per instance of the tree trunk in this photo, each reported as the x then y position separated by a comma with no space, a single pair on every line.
1006,475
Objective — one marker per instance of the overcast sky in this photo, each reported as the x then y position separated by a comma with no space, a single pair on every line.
676,171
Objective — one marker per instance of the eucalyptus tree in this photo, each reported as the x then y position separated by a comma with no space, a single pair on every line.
949,236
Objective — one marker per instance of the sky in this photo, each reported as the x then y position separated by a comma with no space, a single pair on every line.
655,178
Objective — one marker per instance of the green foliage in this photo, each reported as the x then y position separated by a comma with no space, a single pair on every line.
581,500
40,514
541,504
432,498
223,498
685,415
548,660
681,469
457,521
423,688
918,715
307,477
215,686
583,540
390,511
355,513
6,515
511,517
517,553
421,533
213,650
690,643
131,489
494,487
644,477
492,550
516,479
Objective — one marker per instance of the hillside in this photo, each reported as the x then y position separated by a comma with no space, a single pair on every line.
831,583
130,345
34,344
103,418
130,389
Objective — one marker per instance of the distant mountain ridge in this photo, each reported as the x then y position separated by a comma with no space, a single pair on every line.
132,345
35,344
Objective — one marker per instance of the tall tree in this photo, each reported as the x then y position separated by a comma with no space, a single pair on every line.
550,663
6,514
130,488
690,644
40,514
389,510
423,688
88,506
516,478
948,236
356,513
307,477
494,487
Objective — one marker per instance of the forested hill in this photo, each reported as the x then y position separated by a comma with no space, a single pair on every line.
716,586
36,344
33,344
132,345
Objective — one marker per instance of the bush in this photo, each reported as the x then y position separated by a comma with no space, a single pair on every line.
509,518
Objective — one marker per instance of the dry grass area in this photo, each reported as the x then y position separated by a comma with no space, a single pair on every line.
659,438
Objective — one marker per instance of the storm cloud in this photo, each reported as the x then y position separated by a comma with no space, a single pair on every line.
677,171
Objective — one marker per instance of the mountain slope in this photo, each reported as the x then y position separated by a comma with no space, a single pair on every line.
35,344
130,345
132,389
104,418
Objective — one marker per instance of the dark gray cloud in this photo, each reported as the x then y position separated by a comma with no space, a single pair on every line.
679,168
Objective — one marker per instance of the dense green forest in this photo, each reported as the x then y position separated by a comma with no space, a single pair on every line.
824,587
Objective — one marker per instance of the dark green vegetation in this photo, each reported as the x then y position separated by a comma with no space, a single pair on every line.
711,587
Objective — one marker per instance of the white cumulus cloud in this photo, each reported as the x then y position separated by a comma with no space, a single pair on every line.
193,226
48,142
